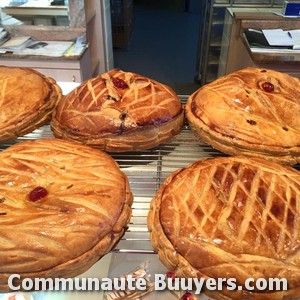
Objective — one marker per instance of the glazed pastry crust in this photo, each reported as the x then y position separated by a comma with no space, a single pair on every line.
119,111
85,213
235,115
26,102
232,217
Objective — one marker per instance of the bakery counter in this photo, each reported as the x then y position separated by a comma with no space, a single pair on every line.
65,68
32,10
236,52
269,55
36,13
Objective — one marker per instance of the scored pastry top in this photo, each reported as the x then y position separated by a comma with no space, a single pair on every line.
252,110
27,99
59,201
116,102
235,206
234,215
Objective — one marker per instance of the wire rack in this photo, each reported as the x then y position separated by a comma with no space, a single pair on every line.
146,171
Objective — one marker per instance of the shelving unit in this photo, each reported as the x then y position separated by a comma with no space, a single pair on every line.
69,69
212,14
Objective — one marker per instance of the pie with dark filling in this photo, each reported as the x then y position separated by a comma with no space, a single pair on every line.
253,112
27,99
119,111
63,206
233,217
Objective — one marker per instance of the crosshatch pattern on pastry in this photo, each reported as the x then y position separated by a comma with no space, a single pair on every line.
119,111
232,217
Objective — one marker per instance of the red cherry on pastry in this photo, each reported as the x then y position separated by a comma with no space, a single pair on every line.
187,296
268,87
170,274
119,83
37,193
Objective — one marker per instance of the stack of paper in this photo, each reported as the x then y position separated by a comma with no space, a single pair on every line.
25,45
47,48
16,44
279,37
295,35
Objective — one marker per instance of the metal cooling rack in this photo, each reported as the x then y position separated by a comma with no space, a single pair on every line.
146,171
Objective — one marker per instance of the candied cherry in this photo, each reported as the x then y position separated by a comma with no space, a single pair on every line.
119,83
187,296
37,193
171,274
268,87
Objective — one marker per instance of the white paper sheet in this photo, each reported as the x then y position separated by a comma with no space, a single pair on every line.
278,37
52,48
295,35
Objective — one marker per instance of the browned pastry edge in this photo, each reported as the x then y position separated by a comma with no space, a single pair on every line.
140,138
37,118
175,262
77,265
229,146
234,145
82,263
101,114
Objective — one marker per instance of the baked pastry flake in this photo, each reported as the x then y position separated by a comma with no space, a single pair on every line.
230,217
253,112
63,206
27,101
119,111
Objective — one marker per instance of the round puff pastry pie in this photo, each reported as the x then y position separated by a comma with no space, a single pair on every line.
63,206
253,112
119,111
27,101
233,217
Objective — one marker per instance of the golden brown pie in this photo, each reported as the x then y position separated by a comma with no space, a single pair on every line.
253,111
119,111
27,99
233,217
63,206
